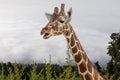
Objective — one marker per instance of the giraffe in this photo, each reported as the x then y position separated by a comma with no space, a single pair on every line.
59,24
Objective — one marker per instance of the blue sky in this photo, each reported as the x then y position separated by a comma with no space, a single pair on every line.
22,20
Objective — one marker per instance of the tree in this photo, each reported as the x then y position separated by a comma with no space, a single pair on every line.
97,65
113,66
99,68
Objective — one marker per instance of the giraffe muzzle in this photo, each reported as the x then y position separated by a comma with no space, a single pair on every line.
45,35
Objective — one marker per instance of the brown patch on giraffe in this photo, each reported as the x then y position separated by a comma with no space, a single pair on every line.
79,46
74,50
64,27
67,33
55,27
89,66
72,40
83,67
84,57
88,77
60,28
95,75
78,57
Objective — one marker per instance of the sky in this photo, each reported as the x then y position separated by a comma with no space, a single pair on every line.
22,20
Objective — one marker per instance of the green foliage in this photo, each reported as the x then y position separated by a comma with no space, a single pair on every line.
97,65
48,72
102,70
113,67
2,73
34,72
33,75
11,74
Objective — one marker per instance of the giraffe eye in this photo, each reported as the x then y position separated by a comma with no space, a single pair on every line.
61,21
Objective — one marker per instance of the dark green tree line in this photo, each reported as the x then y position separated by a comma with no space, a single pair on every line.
113,66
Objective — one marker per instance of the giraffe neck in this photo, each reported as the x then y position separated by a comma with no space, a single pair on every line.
85,67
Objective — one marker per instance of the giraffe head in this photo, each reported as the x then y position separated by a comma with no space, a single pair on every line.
57,24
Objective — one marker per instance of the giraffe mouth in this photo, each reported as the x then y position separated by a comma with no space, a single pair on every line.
46,35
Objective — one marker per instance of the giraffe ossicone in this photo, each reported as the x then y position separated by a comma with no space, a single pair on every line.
59,25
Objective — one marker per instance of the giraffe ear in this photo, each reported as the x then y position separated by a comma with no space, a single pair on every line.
49,16
69,13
